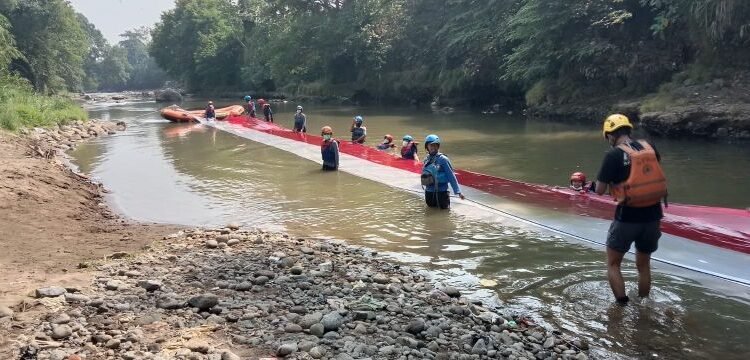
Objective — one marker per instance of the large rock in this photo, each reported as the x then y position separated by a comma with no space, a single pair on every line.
5,312
310,319
168,95
332,321
60,332
204,302
52,291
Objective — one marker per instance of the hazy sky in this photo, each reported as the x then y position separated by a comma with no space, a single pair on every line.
113,17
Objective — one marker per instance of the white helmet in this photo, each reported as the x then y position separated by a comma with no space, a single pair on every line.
299,107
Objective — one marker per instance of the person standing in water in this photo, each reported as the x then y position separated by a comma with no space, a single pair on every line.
210,113
250,106
437,173
300,120
329,149
409,148
633,175
359,132
267,112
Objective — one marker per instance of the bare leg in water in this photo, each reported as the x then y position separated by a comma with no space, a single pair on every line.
643,263
614,273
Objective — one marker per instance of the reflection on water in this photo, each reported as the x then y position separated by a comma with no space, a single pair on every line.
189,174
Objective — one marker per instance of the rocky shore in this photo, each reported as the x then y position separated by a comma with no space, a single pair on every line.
231,293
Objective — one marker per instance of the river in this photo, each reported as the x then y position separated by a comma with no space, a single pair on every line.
178,173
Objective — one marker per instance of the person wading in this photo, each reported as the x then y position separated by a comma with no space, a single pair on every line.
210,113
437,173
633,175
300,120
329,149
359,132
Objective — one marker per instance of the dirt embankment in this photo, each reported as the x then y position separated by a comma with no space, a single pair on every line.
52,221
719,109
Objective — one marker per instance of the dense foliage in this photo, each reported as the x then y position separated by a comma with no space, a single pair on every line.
553,51
47,43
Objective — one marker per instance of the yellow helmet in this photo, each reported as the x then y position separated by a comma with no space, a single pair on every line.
614,122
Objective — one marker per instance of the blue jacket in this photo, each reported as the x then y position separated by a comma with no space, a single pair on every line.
445,173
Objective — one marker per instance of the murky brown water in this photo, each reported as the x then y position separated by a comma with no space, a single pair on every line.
161,172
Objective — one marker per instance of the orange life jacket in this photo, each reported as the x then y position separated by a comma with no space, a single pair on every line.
646,185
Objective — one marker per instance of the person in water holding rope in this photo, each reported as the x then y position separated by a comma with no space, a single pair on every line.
300,121
329,149
387,144
632,174
210,113
437,173
359,132
409,148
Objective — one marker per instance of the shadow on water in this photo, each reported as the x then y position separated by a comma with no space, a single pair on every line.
159,172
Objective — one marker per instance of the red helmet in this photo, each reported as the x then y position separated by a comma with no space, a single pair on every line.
578,176
388,137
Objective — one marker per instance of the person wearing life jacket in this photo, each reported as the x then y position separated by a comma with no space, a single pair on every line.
250,107
578,183
329,149
387,144
437,173
409,148
267,112
633,175
210,113
300,121
359,132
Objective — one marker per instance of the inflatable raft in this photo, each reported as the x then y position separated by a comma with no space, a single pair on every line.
710,240
177,114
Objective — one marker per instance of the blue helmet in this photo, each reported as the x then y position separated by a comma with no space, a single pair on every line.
359,119
248,97
430,139
408,138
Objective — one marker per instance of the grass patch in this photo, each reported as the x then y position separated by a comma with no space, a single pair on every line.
21,108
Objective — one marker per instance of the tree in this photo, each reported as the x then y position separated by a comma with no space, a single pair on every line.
54,45
145,73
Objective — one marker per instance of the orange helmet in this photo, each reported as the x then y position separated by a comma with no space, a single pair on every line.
326,130
578,176
388,137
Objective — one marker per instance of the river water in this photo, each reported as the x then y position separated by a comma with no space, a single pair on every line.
187,174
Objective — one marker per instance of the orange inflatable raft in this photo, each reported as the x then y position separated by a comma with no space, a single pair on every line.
177,114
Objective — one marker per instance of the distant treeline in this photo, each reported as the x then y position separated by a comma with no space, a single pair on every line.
546,51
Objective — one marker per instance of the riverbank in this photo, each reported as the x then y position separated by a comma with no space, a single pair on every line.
716,108
52,221
96,286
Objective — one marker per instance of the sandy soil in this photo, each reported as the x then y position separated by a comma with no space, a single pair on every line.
52,222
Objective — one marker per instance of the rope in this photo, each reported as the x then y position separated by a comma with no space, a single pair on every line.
584,239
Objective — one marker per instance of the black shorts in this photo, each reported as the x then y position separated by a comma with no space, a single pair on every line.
441,199
623,234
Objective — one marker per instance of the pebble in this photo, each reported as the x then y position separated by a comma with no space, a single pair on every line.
61,319
451,291
150,285
113,284
233,242
480,348
332,321
261,280
198,346
5,312
318,330
212,244
228,355
204,302
293,328
317,352
60,332
76,298
286,349
296,270
310,319
52,291
416,326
